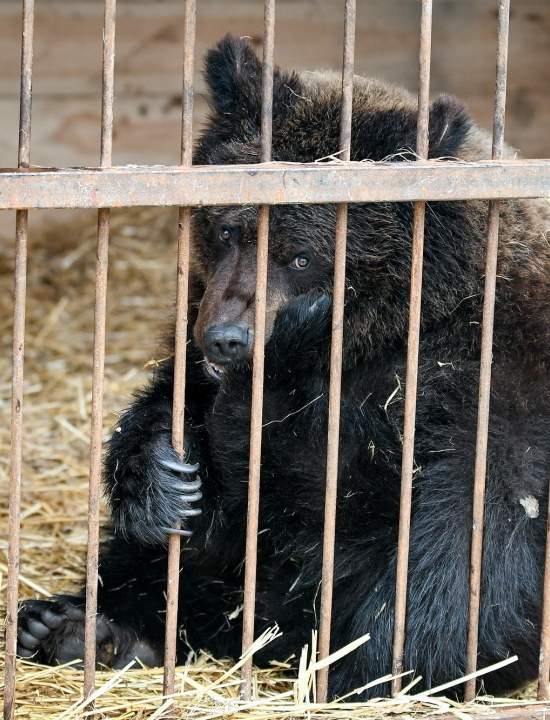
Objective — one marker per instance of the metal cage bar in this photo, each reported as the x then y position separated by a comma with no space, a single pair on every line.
18,353
251,552
407,463
100,317
544,657
182,293
273,184
337,338
486,356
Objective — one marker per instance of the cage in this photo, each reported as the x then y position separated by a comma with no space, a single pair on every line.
340,182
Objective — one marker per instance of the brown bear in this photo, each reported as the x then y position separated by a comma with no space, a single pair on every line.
150,489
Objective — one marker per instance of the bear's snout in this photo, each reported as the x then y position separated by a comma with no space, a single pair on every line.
227,342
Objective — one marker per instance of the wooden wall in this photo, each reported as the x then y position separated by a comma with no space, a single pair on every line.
66,107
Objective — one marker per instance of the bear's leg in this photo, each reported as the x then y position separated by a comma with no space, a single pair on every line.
130,619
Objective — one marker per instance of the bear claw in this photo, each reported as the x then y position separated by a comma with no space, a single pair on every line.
177,531
188,487
172,488
180,466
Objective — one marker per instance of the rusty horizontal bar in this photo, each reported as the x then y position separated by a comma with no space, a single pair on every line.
272,183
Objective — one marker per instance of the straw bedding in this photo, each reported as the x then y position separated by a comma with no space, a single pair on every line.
55,464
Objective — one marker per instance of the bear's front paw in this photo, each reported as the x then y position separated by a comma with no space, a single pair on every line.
171,491
301,330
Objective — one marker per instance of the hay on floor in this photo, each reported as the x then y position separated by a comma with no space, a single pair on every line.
57,411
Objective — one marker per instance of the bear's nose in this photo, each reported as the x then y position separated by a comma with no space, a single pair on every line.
226,343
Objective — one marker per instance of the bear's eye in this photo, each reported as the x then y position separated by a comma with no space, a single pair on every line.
226,233
300,262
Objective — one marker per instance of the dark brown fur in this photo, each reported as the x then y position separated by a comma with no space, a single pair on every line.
147,495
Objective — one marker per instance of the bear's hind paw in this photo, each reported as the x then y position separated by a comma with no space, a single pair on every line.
52,632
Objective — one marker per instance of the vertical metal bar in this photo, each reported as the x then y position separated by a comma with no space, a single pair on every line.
18,353
422,142
333,436
251,552
486,356
544,657
96,432
182,292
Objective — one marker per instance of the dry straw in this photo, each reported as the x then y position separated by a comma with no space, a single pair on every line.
55,451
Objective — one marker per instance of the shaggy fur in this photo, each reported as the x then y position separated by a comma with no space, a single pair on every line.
147,496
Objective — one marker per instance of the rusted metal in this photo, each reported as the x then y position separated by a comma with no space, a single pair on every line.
95,451
335,382
182,293
178,409
186,153
254,469
100,315
18,354
544,656
486,357
407,462
273,184
25,96
15,459
267,81
265,184
108,83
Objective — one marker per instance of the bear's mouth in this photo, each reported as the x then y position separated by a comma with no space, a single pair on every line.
213,369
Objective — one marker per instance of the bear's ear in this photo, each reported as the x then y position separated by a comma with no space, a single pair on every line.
449,126
233,74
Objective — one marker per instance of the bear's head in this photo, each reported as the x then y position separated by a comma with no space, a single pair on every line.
306,118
